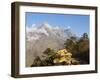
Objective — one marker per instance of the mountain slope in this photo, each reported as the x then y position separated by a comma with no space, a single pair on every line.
42,36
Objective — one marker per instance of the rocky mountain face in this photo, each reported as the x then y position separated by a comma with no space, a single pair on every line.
43,36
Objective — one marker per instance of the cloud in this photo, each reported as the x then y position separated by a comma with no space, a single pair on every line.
68,27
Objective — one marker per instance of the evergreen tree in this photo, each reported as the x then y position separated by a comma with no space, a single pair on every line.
83,48
79,47
71,44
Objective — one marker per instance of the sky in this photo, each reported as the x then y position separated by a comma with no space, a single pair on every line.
79,24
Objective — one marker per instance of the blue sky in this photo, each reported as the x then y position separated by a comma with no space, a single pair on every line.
78,23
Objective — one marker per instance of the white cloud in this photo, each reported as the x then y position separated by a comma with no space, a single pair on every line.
68,27
33,25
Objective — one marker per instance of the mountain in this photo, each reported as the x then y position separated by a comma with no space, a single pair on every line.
42,36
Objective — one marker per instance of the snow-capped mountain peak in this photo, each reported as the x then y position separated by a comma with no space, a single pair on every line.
46,30
45,25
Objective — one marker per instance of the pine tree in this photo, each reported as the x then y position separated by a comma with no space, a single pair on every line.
83,48
71,44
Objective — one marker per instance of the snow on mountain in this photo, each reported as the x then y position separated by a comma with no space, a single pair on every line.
42,36
34,32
